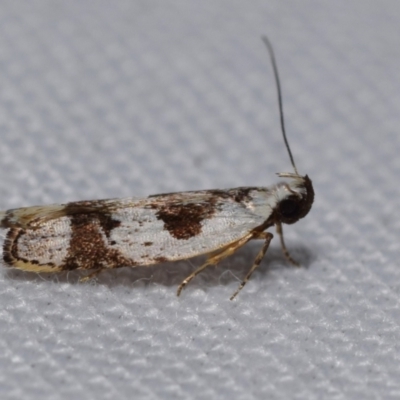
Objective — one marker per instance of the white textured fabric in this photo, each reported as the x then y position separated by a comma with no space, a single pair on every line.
103,99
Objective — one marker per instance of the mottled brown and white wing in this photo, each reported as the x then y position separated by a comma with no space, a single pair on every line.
129,232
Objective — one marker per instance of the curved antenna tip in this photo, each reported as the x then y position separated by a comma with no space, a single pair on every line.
279,92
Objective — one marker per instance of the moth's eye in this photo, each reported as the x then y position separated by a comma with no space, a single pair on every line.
289,207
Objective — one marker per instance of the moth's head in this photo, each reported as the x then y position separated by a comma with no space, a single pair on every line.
294,199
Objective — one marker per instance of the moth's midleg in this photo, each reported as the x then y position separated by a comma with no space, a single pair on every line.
259,235
285,251
216,258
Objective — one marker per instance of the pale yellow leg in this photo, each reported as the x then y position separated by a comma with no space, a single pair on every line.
215,259
260,235
90,276
285,251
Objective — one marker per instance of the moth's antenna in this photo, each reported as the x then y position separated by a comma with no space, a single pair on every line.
278,88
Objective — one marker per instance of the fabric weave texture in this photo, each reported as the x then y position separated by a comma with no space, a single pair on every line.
116,99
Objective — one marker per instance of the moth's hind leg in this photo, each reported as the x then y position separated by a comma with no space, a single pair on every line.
215,258
91,275
260,235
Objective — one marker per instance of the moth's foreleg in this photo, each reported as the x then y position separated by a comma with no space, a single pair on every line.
285,251
215,258
259,235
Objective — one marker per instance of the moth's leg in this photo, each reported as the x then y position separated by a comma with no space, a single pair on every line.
285,251
90,276
259,235
215,258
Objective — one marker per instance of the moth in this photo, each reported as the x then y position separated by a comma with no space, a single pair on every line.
103,234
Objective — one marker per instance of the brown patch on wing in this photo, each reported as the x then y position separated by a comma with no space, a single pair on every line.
160,259
107,223
183,213
87,207
10,247
87,248
242,194
183,221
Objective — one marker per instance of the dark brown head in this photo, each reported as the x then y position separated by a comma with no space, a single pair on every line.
293,199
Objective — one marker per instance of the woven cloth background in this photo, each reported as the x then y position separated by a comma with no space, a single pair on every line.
103,99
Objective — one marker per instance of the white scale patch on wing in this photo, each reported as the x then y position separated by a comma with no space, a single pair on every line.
48,243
